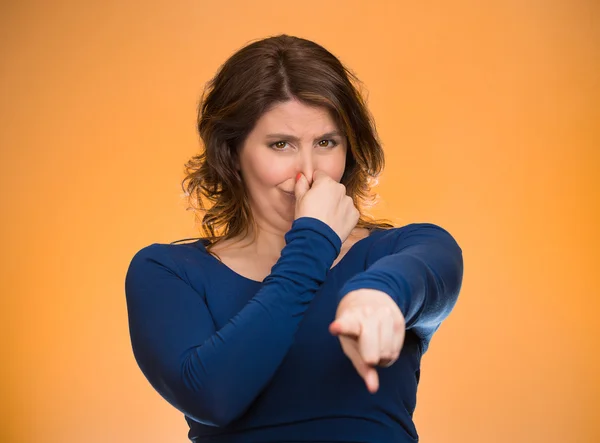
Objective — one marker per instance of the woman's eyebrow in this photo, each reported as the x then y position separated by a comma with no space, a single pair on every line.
293,138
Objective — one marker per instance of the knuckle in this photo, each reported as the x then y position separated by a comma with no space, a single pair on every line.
386,313
387,354
383,312
367,310
371,360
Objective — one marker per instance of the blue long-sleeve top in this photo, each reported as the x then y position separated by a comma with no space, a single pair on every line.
250,361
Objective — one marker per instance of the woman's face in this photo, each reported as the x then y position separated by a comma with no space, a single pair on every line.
289,138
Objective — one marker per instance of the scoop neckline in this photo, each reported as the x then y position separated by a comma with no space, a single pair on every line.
204,241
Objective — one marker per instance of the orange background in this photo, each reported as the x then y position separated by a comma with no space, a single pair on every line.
489,114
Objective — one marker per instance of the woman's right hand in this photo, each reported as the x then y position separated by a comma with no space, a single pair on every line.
326,200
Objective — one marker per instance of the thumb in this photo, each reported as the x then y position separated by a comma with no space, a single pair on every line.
300,187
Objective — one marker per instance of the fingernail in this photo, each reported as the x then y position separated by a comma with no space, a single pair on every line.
298,176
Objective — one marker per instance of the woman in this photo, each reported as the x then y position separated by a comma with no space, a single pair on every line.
295,318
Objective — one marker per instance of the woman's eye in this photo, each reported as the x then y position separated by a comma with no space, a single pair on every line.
323,144
329,143
279,145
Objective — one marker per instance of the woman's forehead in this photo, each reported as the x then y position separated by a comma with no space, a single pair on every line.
296,118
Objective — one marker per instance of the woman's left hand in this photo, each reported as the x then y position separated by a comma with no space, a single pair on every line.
371,330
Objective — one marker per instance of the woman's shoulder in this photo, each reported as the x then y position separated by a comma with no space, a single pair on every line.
177,256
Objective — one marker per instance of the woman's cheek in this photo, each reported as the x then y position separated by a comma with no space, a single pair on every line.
275,173
334,167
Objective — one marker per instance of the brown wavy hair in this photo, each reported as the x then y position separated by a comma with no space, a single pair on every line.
255,78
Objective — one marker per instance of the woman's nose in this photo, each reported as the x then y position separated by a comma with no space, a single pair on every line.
306,165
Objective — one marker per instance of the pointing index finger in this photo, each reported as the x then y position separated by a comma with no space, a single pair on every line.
346,325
